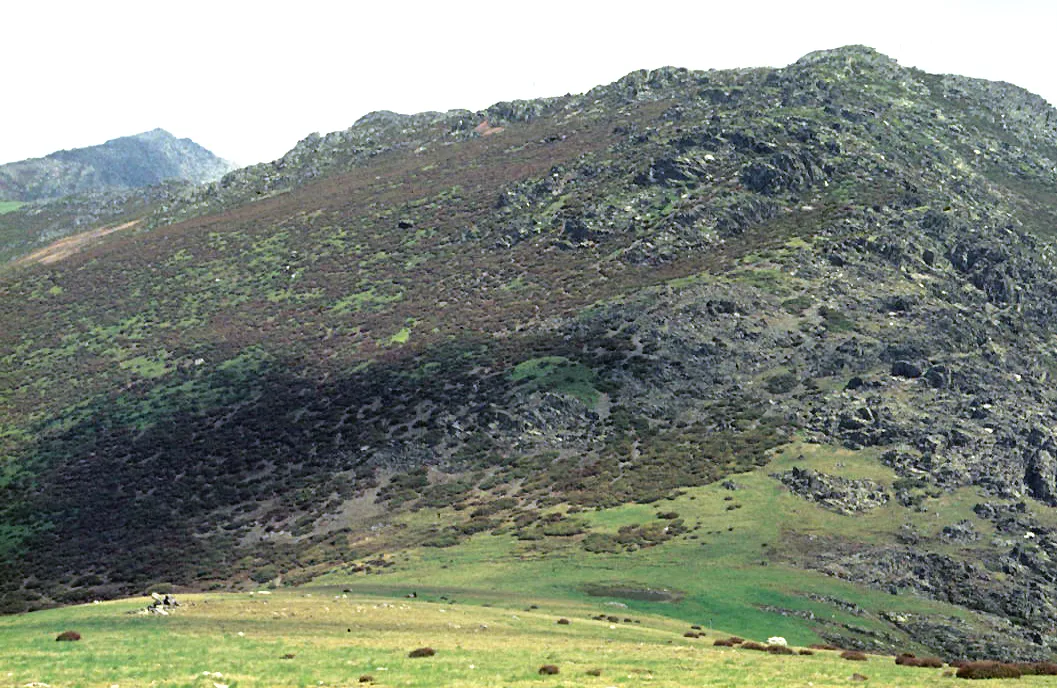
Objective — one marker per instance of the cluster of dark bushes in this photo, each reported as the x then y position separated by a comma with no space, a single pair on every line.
760,647
990,669
729,642
907,659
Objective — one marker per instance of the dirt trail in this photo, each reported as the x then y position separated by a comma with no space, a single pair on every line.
67,246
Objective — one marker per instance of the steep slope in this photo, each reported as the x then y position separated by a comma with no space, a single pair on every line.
124,163
585,302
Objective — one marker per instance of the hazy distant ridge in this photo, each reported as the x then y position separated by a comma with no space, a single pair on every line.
126,162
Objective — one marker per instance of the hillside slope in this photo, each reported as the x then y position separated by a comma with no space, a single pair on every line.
431,327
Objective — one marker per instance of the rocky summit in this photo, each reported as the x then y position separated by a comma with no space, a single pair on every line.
827,291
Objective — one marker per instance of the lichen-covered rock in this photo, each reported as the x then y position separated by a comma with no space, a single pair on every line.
834,492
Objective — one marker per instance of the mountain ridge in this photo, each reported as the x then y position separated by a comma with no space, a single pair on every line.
125,162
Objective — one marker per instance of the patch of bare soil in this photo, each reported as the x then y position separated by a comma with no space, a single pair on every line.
67,246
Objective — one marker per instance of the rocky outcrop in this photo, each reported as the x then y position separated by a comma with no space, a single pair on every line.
955,638
834,492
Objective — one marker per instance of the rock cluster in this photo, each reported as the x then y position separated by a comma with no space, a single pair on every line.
833,492
161,605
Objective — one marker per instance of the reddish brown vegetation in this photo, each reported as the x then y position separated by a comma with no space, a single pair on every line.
68,636
548,670
853,656
1038,669
422,652
907,659
981,670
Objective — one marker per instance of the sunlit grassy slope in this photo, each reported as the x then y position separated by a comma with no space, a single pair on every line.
316,637
732,568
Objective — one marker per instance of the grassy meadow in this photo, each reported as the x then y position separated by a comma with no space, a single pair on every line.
9,206
311,637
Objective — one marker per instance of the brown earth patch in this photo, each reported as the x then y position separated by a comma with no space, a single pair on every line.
67,246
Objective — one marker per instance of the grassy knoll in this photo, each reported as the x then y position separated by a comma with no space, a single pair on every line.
334,640
9,206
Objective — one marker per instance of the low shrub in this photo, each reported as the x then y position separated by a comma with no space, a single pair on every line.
781,383
1038,668
720,642
601,543
68,636
422,652
564,528
907,659
982,670
548,670
781,650
853,656
806,652
366,678
753,645
563,622
823,646
594,672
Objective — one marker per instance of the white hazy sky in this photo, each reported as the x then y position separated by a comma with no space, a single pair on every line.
249,79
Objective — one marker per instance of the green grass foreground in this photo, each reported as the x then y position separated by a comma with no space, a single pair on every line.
9,206
313,637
